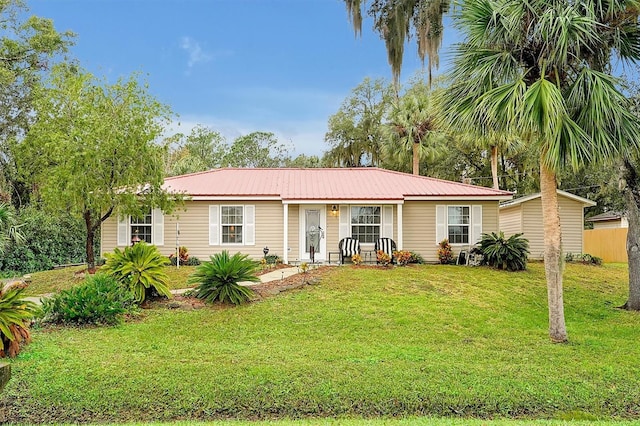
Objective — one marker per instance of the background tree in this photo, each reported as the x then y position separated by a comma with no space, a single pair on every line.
93,145
412,126
257,149
203,149
27,46
399,20
355,134
535,67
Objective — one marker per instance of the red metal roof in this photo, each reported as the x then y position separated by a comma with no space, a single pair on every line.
364,183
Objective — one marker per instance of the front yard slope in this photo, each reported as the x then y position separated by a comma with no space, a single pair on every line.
424,340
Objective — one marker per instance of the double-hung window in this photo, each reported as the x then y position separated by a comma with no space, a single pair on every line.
142,227
231,222
458,224
365,223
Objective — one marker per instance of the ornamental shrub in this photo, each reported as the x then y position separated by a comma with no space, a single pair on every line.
510,254
99,300
356,259
445,254
416,258
383,258
403,257
219,278
139,268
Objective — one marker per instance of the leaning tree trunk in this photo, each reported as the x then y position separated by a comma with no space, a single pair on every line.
91,258
632,198
416,158
552,253
494,166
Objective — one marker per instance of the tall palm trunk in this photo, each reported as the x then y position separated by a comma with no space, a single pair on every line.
552,253
416,158
494,166
632,198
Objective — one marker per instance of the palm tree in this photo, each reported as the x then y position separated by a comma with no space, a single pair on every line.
399,20
413,126
9,227
535,67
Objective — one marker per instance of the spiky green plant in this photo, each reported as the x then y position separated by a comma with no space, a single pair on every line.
510,254
15,313
219,278
9,227
140,268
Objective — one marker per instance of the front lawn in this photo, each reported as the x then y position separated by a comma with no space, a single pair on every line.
61,279
427,340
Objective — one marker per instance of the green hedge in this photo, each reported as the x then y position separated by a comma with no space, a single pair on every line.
50,240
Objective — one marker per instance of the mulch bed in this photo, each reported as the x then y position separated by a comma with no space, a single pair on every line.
262,290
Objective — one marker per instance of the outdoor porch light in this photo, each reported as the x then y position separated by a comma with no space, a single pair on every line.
334,210
135,239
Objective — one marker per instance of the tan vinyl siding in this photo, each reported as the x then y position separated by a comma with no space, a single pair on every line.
194,230
572,224
532,227
294,233
419,220
511,220
608,224
108,235
333,232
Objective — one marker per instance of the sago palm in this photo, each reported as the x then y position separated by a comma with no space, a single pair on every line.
140,268
220,278
537,67
15,314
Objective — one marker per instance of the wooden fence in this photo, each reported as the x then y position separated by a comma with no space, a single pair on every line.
609,244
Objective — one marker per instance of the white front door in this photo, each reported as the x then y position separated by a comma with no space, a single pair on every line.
313,220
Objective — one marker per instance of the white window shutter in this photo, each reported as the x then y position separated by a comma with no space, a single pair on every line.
387,222
476,224
249,225
157,223
441,223
123,231
345,222
214,228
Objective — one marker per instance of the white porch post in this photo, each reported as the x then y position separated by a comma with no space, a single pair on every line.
285,243
399,242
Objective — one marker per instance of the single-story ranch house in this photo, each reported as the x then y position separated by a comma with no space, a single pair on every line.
289,210
609,220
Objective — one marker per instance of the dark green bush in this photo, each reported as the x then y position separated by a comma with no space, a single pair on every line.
416,258
273,259
219,278
191,261
589,259
100,300
510,254
50,239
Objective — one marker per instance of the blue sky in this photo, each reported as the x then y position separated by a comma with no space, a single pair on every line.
237,66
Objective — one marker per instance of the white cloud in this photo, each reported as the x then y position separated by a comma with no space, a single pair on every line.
195,52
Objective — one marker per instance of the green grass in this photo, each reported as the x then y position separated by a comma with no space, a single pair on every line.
60,279
439,341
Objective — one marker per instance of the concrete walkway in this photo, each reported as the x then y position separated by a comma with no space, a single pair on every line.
276,274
